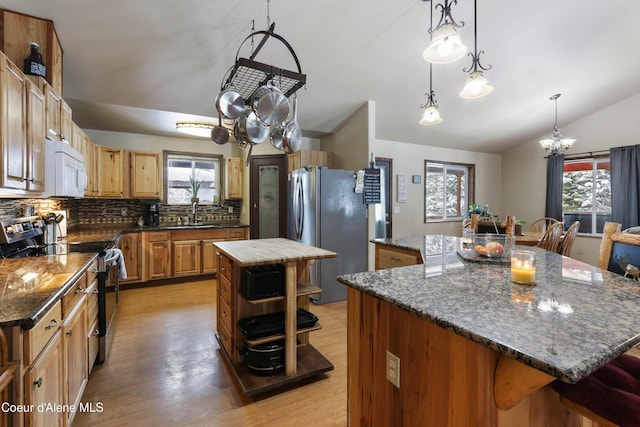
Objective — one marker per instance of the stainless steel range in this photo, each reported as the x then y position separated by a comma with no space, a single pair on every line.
22,237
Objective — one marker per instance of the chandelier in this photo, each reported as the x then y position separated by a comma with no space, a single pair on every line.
556,143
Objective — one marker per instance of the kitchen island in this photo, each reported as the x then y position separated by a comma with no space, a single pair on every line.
301,359
475,348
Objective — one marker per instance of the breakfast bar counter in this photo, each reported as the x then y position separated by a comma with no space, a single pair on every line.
472,344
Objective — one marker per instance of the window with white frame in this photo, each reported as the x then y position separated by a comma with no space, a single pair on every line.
184,172
448,187
586,193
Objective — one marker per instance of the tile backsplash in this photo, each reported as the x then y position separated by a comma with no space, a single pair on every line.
105,212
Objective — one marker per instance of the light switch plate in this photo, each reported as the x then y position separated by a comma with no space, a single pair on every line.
393,369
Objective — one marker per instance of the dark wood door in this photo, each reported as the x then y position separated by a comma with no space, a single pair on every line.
268,196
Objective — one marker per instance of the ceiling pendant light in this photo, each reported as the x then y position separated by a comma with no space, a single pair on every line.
431,115
476,85
445,44
556,143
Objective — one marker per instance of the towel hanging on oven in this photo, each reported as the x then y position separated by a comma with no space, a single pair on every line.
114,257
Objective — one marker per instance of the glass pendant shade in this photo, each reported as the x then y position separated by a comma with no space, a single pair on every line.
445,46
476,86
555,144
431,116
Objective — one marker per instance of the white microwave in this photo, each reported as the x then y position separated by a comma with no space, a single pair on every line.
65,175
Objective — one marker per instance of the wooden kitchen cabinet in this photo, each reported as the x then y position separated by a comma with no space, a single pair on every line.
186,257
131,246
93,345
145,175
36,133
13,125
209,257
157,254
23,131
304,158
110,171
224,311
90,159
193,250
388,256
233,178
17,31
75,346
43,385
59,120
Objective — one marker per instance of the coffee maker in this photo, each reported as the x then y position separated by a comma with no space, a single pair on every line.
153,216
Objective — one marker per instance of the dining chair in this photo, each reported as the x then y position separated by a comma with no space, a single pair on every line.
610,396
551,237
566,243
540,225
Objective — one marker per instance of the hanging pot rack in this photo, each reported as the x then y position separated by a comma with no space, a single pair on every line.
247,74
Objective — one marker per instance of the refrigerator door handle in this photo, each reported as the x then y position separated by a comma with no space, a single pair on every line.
299,208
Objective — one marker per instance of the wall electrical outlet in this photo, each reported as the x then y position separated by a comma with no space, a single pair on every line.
123,211
393,369
230,209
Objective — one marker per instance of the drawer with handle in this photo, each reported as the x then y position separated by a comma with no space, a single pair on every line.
225,267
38,336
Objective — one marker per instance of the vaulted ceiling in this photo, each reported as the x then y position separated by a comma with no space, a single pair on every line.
139,66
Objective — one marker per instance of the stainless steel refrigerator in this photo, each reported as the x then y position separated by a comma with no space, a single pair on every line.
326,212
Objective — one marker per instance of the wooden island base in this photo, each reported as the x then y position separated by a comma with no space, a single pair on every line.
310,363
445,379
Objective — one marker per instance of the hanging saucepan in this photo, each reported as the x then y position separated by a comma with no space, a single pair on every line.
276,136
229,103
272,108
251,129
292,134
219,133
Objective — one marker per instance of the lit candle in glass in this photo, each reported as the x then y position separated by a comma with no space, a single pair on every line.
523,267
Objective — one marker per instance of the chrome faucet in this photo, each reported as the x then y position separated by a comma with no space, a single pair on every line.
195,212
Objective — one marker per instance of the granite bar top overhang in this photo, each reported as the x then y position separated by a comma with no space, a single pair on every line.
30,286
573,321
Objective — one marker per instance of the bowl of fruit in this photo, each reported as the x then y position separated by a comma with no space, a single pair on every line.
493,246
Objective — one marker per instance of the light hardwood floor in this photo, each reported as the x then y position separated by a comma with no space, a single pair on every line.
166,368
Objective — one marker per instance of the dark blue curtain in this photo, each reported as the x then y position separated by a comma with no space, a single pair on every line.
625,185
555,168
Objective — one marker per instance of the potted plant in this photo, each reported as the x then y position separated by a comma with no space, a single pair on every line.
195,187
518,227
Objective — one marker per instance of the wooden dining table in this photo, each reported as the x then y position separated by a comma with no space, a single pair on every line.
529,238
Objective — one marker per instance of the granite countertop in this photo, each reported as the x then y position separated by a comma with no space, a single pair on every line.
30,286
229,224
574,320
270,251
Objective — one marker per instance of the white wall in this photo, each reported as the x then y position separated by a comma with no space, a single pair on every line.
408,159
524,167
